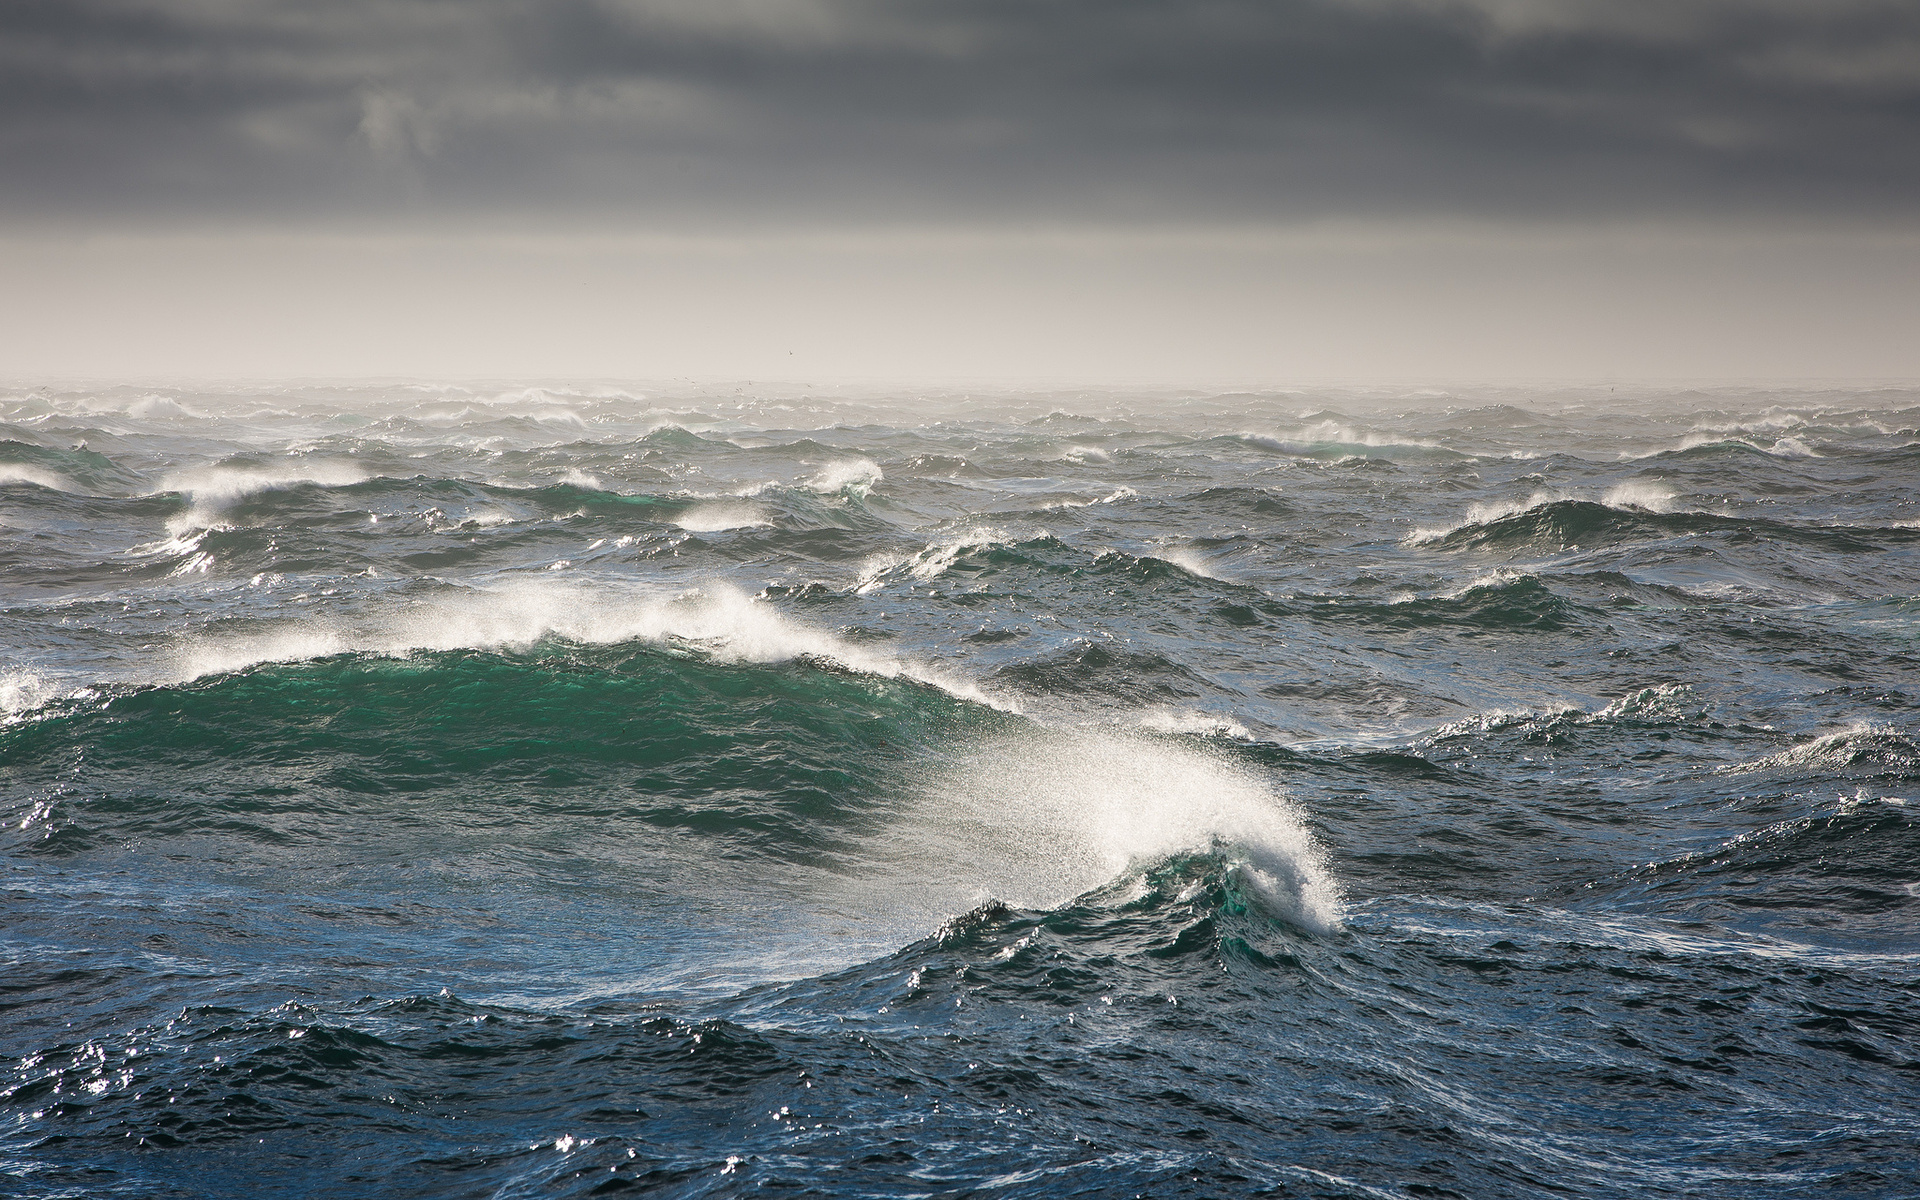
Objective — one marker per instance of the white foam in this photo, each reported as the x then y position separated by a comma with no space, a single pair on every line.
1663,701
487,518
1189,560
1486,722
1482,514
1187,721
1118,494
1498,577
1040,817
722,622
160,406
1831,751
932,562
1648,494
27,473
853,476
874,571
1323,433
716,515
1781,447
22,690
575,477
1772,421
215,487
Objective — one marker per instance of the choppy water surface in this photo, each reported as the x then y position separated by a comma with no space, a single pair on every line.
451,792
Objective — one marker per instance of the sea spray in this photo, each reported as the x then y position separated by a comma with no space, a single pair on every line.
1039,817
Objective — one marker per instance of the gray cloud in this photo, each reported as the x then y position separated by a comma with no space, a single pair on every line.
980,110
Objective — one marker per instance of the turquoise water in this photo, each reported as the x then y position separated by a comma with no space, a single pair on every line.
435,791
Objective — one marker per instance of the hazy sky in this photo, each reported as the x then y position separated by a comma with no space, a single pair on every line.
1260,191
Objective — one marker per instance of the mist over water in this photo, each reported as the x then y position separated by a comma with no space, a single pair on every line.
457,791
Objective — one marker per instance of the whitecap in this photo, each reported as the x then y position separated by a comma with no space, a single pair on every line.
714,516
1839,750
932,562
1482,513
160,406
214,487
23,690
1085,454
1039,817
1306,438
40,476
1649,494
853,476
1778,447
1190,560
720,622
1644,495
1114,497
1188,721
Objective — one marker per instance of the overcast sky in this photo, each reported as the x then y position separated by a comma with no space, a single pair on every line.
1500,148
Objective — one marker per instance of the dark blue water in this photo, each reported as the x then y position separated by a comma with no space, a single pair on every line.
445,792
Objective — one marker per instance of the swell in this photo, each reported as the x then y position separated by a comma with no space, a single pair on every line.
1842,864
1562,523
769,752
300,500
777,757
1516,604
74,469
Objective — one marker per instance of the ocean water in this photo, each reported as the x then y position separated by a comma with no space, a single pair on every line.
459,792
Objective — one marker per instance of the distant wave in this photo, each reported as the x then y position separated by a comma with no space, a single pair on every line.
1114,497
1075,453
38,476
721,622
852,476
1856,855
1565,522
1632,495
983,550
1661,704
213,489
712,516
1333,437
1191,561
941,555
1870,749
1779,447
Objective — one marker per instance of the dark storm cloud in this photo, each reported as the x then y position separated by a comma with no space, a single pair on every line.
973,109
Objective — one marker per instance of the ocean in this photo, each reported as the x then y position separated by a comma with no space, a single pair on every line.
459,791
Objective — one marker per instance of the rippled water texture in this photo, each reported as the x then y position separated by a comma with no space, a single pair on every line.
444,792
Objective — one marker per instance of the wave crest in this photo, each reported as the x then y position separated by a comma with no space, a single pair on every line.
720,622
213,489
1037,819
1629,496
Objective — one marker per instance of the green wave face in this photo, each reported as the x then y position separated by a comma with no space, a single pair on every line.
780,759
